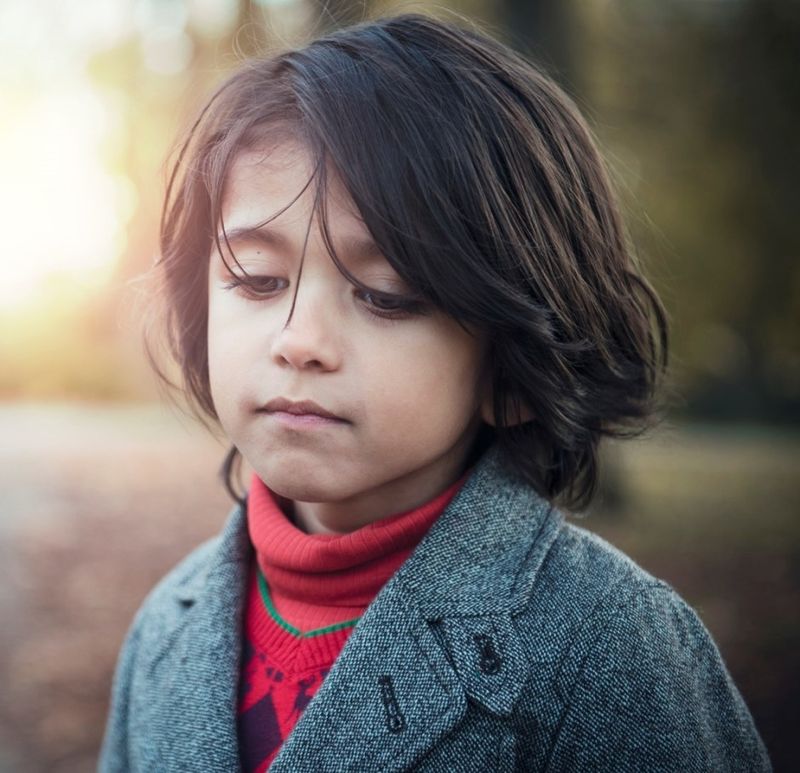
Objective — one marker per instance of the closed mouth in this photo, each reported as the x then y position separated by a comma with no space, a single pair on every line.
299,408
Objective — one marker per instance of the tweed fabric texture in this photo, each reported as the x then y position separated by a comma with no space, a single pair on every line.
510,640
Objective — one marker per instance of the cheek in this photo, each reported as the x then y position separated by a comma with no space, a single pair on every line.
230,326
452,360
430,378
216,348
224,355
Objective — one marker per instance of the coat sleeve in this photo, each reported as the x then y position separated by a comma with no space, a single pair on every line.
114,749
653,693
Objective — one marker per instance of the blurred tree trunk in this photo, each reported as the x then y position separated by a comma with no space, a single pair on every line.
250,33
543,30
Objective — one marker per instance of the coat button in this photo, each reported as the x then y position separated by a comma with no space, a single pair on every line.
490,662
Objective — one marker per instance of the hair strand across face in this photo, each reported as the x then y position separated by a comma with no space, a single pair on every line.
484,189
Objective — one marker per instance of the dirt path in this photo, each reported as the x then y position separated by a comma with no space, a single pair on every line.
96,504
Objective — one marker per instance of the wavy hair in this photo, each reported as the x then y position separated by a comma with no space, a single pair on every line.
482,185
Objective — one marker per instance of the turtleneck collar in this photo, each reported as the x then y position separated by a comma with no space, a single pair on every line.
316,580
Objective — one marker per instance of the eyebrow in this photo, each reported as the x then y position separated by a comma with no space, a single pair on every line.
360,249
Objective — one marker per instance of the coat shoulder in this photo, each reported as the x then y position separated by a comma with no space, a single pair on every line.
585,578
184,580
592,600
186,573
180,651
627,670
597,560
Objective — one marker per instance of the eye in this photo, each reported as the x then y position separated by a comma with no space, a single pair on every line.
252,286
383,302
391,306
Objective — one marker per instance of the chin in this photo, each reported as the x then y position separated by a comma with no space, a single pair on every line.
301,487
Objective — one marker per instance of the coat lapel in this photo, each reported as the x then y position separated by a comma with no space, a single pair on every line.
194,670
390,696
438,632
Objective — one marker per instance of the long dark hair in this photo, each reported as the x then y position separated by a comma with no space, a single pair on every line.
483,187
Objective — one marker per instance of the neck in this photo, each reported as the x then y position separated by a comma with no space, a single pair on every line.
395,496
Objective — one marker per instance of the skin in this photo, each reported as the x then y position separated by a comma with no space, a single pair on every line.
409,389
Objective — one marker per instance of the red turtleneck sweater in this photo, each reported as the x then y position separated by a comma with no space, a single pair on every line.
306,593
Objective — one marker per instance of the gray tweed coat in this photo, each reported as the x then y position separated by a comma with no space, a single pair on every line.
510,640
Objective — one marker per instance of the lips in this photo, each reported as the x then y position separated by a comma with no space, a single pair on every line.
301,408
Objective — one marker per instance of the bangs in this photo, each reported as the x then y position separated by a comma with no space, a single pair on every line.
405,139
264,139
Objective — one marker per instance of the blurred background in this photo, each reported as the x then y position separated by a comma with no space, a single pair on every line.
103,488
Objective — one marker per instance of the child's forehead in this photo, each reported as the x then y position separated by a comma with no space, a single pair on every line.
277,173
263,181
279,154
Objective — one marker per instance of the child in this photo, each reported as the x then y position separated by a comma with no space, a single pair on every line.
396,274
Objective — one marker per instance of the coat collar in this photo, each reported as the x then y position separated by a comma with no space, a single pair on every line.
439,630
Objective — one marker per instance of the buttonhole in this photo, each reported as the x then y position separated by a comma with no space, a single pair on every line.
395,721
490,662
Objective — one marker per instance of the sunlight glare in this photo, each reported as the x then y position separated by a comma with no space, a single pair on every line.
63,212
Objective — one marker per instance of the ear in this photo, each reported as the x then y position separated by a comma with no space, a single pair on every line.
516,411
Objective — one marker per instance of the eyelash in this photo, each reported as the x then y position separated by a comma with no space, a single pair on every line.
405,307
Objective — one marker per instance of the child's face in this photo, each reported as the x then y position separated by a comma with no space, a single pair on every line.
407,390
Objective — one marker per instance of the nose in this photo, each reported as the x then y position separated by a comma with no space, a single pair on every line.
308,339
